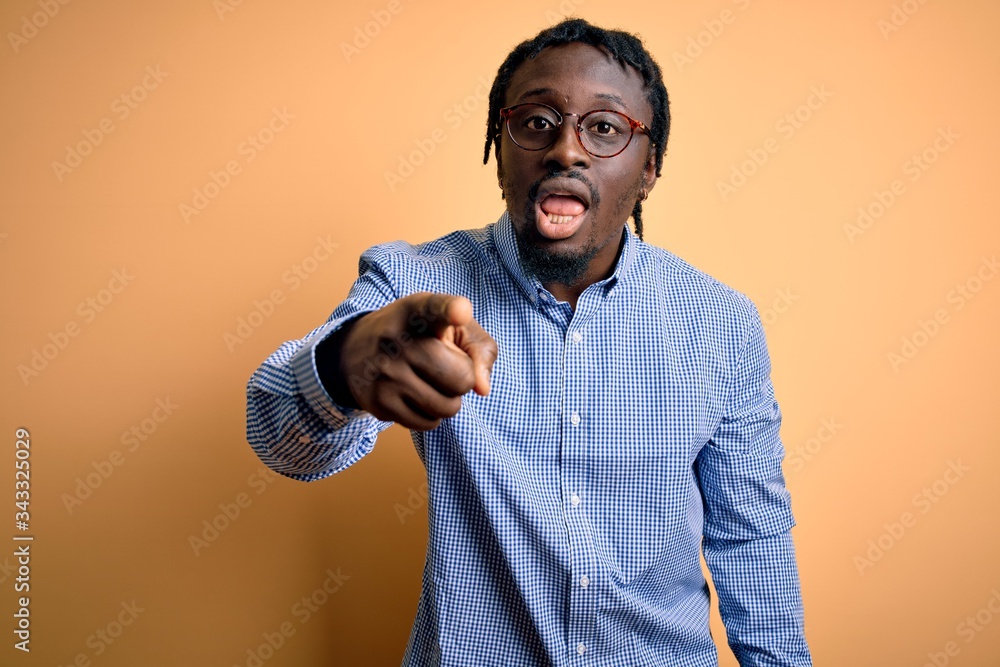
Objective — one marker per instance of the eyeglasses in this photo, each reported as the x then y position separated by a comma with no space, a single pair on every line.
602,132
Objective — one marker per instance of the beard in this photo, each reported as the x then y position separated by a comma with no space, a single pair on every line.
548,266
552,267
544,263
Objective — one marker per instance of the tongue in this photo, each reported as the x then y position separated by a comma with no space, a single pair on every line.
559,217
562,205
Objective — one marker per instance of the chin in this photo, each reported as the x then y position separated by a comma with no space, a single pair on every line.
547,261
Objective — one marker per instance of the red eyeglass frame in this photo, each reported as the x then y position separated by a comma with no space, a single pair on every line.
634,125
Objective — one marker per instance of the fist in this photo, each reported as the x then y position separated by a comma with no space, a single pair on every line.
437,353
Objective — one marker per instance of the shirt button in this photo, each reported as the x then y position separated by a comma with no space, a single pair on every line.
581,649
584,581
303,439
577,336
575,419
575,499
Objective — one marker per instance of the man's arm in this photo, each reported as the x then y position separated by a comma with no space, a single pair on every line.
411,361
747,542
294,424
316,405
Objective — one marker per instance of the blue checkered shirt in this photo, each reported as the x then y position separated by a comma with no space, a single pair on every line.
568,508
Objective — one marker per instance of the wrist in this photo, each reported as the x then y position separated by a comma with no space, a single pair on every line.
332,367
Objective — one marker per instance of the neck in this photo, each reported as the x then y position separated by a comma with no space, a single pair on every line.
600,267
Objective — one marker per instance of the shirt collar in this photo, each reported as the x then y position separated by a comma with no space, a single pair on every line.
506,244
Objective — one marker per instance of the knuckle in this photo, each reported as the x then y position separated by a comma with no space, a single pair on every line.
452,406
467,379
383,393
429,425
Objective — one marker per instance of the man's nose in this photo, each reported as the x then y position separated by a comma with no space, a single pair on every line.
567,152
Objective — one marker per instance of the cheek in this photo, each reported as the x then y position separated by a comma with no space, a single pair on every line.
632,181
503,162
625,187
512,177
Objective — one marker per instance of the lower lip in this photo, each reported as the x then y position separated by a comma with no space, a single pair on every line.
554,231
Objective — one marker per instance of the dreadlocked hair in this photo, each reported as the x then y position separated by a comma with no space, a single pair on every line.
626,48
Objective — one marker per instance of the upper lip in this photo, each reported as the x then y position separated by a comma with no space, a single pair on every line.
564,186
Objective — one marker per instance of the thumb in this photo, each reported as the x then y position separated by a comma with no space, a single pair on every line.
483,368
482,349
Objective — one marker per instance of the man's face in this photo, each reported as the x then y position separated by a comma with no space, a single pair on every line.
569,207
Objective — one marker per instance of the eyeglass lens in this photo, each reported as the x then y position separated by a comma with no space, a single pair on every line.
536,126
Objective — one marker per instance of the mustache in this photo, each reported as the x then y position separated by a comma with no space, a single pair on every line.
576,175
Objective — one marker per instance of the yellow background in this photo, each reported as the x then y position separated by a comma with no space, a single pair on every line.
837,303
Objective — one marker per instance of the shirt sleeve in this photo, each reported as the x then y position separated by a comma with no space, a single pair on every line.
747,540
293,424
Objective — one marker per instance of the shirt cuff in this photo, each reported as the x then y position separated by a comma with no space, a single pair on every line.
303,365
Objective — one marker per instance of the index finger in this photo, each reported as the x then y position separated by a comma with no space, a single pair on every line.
433,313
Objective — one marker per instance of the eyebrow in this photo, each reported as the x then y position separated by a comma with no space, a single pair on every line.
613,98
610,97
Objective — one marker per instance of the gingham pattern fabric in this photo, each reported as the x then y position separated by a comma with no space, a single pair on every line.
568,508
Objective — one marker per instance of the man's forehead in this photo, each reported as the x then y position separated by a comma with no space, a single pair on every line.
566,69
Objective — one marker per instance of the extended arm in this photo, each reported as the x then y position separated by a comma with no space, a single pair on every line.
293,423
316,405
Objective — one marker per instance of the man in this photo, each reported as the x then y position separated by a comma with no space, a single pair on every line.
591,410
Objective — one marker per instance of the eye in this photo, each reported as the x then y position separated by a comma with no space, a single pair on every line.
538,123
606,125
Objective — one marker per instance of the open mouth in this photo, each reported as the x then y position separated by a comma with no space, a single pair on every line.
559,216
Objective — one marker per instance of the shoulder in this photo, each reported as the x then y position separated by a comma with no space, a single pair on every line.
444,263
692,289
470,246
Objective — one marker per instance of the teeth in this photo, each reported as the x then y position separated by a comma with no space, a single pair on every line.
560,219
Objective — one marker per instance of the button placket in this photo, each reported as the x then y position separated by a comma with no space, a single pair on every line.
574,478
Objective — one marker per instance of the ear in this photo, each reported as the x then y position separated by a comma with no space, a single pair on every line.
496,154
649,176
